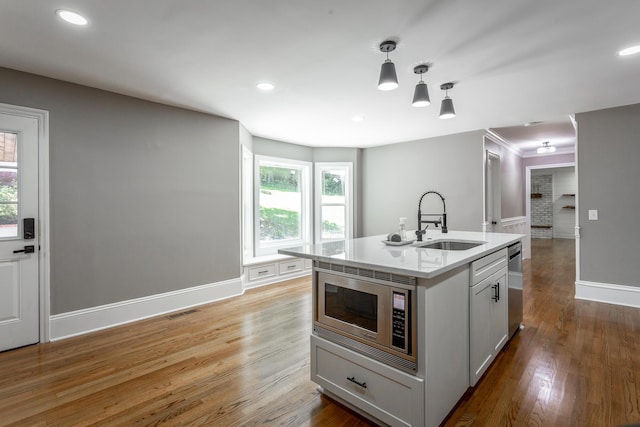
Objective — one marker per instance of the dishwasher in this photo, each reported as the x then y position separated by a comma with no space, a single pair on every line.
515,288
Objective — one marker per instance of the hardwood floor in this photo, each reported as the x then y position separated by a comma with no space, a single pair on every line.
245,361
576,363
239,362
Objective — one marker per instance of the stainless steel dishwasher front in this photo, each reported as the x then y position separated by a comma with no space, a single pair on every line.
515,287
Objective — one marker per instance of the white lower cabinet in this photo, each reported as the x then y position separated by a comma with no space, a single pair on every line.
488,332
259,274
262,271
393,397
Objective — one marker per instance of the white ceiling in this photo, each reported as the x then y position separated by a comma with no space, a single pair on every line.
514,61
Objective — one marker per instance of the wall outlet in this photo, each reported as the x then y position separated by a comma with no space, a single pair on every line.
593,214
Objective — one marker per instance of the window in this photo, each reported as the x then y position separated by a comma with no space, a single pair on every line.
282,204
8,185
333,201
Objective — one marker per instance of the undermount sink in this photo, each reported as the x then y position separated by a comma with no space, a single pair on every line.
449,245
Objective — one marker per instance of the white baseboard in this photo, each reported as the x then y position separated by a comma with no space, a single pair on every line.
79,322
249,284
608,293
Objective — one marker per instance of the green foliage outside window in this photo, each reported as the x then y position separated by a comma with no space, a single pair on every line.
279,178
279,224
332,184
282,224
8,193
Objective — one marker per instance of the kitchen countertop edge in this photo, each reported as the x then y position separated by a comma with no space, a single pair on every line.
495,242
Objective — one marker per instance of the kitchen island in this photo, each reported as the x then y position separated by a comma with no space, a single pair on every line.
401,331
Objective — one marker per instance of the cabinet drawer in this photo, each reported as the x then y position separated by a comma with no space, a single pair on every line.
488,265
262,271
387,394
291,266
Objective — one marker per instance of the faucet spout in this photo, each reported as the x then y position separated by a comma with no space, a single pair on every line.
442,221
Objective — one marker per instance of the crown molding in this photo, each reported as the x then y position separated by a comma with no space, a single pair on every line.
503,142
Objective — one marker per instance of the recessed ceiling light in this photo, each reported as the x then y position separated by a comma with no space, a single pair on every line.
266,86
357,119
631,50
72,17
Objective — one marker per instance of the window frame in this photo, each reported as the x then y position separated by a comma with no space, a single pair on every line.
247,202
320,167
271,248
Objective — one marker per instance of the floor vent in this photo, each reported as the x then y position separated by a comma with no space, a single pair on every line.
183,313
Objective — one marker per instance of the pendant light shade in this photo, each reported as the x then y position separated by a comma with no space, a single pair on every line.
388,78
446,108
421,93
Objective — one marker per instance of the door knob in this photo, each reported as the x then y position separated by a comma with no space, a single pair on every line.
27,250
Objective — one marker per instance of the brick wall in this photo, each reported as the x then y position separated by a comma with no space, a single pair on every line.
542,207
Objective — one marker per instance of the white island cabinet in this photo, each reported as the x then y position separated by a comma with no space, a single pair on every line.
488,312
453,340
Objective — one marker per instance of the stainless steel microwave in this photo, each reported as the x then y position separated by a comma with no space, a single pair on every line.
372,317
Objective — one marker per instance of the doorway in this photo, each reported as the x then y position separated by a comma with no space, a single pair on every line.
24,225
551,201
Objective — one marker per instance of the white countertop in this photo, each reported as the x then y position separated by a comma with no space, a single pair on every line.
371,252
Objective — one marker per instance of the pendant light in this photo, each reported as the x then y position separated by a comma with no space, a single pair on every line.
421,93
388,78
446,109
546,148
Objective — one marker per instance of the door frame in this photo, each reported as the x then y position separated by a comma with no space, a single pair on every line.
492,189
527,198
44,257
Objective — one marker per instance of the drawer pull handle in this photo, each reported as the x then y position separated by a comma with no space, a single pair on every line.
263,272
291,266
353,380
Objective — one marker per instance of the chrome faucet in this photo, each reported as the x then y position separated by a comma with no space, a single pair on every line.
442,221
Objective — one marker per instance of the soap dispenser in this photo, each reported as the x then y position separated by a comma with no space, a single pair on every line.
402,229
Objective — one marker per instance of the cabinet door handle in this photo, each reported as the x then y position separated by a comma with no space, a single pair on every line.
496,296
498,290
353,380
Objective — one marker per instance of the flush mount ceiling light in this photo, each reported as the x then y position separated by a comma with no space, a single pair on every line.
72,17
531,124
388,78
421,93
446,109
546,148
358,119
632,50
265,86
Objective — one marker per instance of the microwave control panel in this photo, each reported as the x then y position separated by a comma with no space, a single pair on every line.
399,322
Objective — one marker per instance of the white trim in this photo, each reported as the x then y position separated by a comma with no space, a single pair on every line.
494,137
513,221
44,254
270,248
250,284
608,293
559,150
92,319
319,167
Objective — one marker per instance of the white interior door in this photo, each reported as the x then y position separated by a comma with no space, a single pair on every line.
19,286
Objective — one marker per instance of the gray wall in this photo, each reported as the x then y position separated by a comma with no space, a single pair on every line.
511,179
269,147
144,197
395,176
608,173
